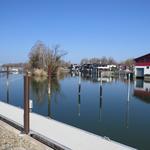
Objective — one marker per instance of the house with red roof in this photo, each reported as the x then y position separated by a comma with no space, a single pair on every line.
142,66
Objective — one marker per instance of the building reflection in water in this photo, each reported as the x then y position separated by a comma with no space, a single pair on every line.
142,90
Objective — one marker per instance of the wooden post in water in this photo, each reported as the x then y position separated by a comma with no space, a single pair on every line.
79,103
101,94
49,79
26,104
7,84
128,86
79,93
79,90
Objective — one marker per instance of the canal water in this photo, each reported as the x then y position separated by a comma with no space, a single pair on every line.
113,107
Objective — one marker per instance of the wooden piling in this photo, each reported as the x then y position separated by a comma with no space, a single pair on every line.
7,84
26,104
129,87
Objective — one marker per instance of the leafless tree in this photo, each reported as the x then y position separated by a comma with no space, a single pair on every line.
44,57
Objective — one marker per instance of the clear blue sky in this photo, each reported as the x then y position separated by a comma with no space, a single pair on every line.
84,28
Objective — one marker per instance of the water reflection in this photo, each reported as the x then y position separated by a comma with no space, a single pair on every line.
142,90
128,103
43,90
49,97
39,88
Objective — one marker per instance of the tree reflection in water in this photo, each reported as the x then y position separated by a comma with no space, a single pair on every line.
39,87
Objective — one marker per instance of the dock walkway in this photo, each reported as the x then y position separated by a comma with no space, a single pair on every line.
68,136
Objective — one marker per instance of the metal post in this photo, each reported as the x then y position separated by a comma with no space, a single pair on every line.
7,83
101,95
128,86
26,104
101,80
79,103
79,92
79,89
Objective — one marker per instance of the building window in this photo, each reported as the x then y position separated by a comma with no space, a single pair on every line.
147,67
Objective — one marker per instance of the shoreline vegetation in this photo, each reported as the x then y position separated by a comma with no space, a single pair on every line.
45,61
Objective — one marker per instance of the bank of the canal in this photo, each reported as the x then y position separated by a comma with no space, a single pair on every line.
12,139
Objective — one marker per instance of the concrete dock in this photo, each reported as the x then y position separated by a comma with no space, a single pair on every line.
65,135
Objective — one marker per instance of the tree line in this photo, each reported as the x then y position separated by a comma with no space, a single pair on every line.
107,61
46,58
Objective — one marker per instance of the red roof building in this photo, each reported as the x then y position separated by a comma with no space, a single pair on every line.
142,65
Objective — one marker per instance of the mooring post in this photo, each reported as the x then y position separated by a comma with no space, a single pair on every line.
128,86
101,95
7,84
79,90
49,79
26,104
79,103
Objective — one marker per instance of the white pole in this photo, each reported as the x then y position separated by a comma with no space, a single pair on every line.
129,87
31,104
101,79
79,78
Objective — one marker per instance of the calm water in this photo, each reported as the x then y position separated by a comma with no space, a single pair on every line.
122,113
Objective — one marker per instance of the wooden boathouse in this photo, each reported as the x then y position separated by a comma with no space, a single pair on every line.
142,66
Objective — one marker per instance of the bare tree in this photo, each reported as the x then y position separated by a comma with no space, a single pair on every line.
84,61
37,55
111,61
44,57
104,60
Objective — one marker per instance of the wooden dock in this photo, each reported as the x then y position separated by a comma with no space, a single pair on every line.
65,135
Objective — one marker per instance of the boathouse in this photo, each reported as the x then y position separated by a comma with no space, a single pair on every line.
142,66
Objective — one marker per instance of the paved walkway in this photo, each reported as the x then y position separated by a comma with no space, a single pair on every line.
71,137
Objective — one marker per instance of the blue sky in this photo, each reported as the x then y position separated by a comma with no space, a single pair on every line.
84,28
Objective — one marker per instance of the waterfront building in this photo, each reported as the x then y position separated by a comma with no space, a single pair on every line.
142,66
